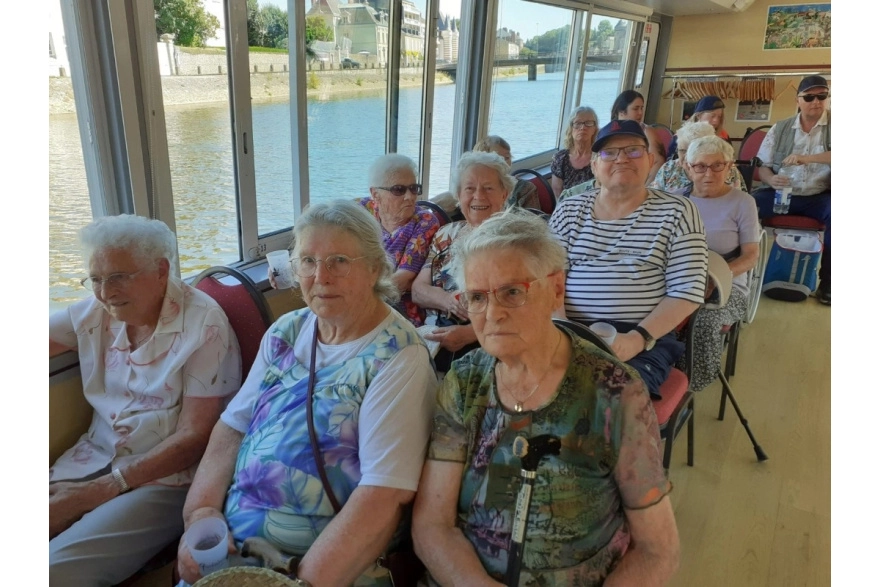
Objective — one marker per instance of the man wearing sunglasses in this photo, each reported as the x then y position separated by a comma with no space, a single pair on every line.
803,142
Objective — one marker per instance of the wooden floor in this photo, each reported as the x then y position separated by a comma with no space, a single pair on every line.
744,523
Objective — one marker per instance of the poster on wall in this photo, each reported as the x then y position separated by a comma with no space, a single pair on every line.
798,26
753,110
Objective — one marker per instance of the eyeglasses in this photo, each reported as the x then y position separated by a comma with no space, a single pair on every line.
336,265
400,190
632,151
716,167
512,295
95,283
811,97
583,124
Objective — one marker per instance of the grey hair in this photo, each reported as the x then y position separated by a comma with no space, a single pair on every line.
145,239
354,219
517,229
692,131
388,165
568,140
709,146
488,144
491,160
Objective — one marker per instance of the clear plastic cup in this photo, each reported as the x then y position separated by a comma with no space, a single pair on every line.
282,270
605,331
208,543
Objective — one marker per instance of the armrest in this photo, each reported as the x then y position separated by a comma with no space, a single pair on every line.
721,280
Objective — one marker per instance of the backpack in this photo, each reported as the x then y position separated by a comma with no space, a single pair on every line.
791,273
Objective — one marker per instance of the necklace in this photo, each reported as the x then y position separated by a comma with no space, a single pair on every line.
518,406
139,341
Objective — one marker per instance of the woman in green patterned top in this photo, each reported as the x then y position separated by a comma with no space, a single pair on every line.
600,510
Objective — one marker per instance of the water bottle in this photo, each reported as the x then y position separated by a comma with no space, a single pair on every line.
782,198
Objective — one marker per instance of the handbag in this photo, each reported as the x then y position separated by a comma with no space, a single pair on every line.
403,564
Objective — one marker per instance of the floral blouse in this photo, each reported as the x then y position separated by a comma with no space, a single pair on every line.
562,168
672,178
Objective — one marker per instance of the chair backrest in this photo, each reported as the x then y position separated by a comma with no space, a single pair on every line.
749,147
546,197
244,305
584,332
665,135
439,212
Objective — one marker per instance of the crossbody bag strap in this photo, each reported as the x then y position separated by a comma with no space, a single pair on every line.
313,438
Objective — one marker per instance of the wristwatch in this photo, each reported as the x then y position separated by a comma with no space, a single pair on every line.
649,340
120,480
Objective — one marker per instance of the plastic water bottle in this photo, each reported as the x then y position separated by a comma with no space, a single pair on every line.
782,198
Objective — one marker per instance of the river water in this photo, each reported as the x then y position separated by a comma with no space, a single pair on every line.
345,136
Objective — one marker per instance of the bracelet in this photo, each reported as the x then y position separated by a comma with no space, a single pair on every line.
120,481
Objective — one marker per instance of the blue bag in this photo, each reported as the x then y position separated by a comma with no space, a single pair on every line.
791,274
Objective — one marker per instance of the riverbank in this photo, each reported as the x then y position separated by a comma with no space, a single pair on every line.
195,89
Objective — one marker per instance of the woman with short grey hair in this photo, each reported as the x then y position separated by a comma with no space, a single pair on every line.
530,379
673,178
733,230
157,359
571,164
481,183
355,371
406,227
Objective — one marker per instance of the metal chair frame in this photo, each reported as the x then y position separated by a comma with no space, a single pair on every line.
545,192
441,214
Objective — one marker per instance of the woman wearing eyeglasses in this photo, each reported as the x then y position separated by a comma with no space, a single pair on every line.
637,256
407,229
348,371
481,183
600,510
673,178
733,231
571,164
157,358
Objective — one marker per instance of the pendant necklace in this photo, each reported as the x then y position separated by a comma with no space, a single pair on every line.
518,406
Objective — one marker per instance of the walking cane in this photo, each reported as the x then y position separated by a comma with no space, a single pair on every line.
530,452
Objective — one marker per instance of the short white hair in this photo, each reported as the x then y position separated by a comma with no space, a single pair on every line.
709,146
479,158
692,131
146,240
387,165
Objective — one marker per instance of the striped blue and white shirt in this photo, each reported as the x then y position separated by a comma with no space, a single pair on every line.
621,269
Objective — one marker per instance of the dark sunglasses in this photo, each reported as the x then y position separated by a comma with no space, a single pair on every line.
400,190
811,97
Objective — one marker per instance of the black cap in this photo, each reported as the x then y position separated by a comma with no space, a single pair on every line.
618,127
812,81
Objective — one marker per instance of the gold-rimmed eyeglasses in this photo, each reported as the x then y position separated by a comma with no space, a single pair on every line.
336,265
94,283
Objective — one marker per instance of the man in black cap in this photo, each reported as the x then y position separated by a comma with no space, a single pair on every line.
802,143
637,256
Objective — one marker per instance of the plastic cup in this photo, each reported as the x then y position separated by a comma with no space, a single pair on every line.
605,331
208,543
282,270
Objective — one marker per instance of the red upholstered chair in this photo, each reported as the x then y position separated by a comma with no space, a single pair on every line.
545,193
676,408
245,307
439,212
748,149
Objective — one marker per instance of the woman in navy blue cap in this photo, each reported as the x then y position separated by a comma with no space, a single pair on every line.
709,109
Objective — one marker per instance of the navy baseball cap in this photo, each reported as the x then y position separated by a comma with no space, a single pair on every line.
619,127
708,103
812,81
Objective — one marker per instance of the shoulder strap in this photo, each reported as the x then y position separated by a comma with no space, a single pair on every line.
313,438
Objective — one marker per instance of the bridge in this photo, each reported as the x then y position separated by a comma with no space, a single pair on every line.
555,60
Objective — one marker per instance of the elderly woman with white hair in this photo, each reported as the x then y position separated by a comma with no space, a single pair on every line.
481,183
673,178
320,452
407,229
730,218
157,359
600,510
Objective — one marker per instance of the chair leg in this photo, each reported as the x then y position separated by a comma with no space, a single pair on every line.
723,404
667,450
727,392
691,435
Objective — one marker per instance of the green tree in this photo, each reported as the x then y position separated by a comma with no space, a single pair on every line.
275,23
187,20
317,30
599,35
255,25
